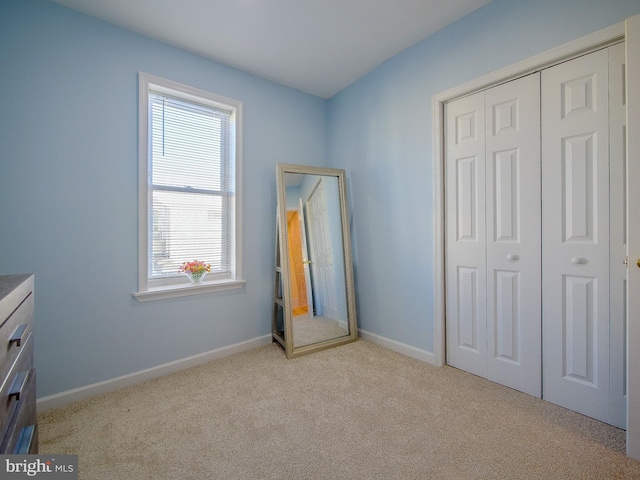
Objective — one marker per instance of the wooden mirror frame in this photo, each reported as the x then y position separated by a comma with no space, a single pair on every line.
282,326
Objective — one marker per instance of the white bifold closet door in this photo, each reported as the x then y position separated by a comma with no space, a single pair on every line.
492,176
583,269
536,234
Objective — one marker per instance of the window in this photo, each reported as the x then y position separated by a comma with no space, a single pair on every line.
190,160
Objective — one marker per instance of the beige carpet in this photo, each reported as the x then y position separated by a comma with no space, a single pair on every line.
358,411
307,331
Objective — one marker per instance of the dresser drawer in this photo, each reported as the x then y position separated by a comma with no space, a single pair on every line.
13,334
13,290
22,432
12,393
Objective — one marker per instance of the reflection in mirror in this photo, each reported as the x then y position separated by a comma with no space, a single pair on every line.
314,260
316,263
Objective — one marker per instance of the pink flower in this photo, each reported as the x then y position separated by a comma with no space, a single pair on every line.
195,267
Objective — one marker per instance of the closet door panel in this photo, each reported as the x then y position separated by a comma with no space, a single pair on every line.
513,234
465,233
618,236
575,212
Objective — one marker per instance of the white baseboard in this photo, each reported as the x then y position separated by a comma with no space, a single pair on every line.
63,398
403,348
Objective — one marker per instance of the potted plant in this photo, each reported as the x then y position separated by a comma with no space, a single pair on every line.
195,270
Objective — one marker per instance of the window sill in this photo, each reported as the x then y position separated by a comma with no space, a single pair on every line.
161,293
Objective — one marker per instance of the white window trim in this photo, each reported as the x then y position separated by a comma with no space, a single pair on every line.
145,292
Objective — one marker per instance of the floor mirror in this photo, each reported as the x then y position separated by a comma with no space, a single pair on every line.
314,302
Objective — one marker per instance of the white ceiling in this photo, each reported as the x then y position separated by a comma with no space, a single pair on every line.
317,46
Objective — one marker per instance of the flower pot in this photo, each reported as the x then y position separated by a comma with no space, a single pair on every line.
196,277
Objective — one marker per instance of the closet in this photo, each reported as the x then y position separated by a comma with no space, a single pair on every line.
535,244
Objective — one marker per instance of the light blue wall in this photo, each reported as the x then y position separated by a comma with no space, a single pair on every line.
380,132
69,196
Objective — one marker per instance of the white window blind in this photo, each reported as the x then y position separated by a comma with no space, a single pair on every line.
191,186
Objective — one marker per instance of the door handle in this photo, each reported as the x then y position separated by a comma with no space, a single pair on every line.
579,261
512,258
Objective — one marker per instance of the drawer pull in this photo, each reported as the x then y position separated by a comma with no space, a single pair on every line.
19,384
26,442
19,335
